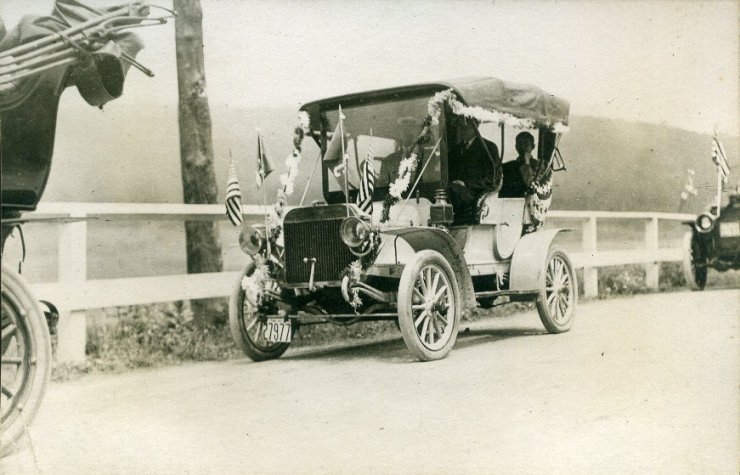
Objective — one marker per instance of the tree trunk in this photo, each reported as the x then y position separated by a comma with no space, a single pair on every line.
196,152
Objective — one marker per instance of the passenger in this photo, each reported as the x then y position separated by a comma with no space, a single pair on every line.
527,177
473,170
519,174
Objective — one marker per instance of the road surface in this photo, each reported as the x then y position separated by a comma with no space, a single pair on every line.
642,384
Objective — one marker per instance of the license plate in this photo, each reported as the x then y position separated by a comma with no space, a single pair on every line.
729,229
278,330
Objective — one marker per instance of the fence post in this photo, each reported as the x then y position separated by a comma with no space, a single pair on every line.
652,269
72,327
590,274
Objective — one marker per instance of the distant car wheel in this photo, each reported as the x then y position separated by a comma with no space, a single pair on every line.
248,325
26,359
557,300
694,264
429,307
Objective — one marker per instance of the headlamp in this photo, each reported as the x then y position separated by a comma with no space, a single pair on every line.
252,240
704,223
354,231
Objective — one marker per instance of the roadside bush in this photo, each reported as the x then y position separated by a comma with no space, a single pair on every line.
622,280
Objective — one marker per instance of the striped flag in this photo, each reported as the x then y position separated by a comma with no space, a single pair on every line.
233,197
719,157
264,166
365,197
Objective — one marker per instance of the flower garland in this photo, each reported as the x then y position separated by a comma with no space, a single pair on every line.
255,285
434,109
354,272
287,179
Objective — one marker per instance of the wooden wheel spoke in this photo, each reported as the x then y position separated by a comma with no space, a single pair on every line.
435,281
424,329
419,319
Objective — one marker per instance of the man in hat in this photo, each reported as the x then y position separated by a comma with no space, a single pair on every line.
474,168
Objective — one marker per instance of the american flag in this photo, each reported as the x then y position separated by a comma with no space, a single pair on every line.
720,158
365,197
233,197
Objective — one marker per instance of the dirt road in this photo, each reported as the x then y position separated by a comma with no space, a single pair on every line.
643,384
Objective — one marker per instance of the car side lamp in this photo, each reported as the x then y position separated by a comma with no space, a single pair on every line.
441,212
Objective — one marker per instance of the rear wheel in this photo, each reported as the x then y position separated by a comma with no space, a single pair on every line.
26,359
694,263
557,300
429,307
248,324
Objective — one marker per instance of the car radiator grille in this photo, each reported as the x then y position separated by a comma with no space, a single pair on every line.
315,239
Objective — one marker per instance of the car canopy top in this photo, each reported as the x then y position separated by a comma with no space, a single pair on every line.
486,98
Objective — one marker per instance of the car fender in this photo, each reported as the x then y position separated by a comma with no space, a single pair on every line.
399,246
528,261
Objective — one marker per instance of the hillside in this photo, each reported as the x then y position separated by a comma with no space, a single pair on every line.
131,154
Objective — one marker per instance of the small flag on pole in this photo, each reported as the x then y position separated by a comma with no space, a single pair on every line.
264,166
719,157
233,197
365,197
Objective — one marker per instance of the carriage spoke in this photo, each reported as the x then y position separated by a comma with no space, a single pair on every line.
8,393
8,333
12,360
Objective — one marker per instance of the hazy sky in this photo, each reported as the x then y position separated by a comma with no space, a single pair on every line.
674,62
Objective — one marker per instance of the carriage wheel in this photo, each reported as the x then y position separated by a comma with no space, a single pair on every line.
26,359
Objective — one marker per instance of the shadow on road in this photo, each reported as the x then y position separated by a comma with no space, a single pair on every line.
393,350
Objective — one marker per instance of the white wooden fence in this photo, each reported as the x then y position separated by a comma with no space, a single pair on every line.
73,293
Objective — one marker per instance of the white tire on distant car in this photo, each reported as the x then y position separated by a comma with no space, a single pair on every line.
557,300
429,306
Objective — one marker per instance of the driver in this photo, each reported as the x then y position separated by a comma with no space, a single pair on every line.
472,169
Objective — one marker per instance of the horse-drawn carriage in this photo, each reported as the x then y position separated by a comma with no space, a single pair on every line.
79,46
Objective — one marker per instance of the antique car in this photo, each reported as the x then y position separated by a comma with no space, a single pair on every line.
713,242
399,250
79,46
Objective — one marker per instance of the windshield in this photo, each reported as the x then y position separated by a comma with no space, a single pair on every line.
387,132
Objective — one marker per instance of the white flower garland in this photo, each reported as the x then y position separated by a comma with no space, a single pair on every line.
287,179
434,108
255,285
405,170
355,275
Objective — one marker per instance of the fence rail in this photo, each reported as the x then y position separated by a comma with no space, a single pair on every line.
73,293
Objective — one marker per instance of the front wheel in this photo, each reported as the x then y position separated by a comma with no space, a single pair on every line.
694,265
25,361
429,307
248,324
556,302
